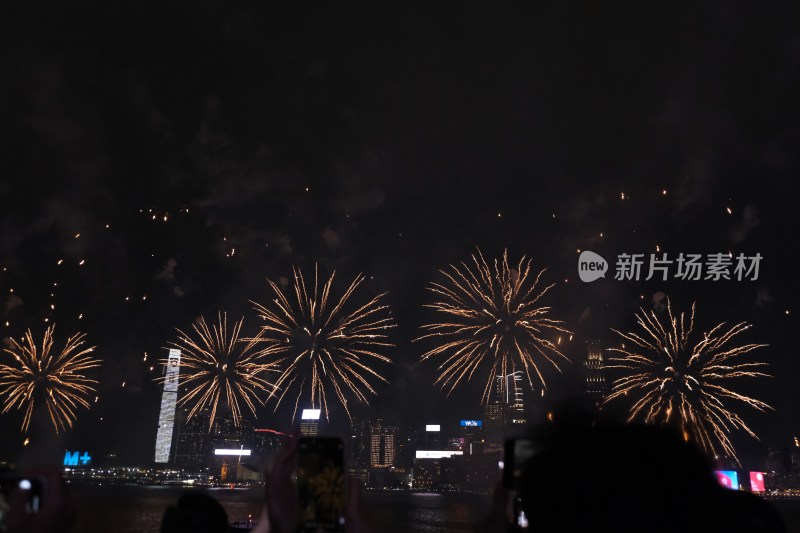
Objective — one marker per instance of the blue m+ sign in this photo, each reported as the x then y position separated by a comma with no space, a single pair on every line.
75,459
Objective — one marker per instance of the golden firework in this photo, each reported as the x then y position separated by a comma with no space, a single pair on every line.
39,373
323,342
674,382
216,364
492,320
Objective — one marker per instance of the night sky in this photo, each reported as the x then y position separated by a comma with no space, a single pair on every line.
186,153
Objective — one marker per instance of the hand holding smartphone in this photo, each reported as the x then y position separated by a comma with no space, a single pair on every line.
517,454
320,484
24,493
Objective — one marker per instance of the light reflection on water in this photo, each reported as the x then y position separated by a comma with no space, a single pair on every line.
426,513
134,509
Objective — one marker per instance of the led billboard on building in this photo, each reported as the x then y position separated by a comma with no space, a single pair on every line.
757,482
472,423
437,454
226,451
310,414
728,478
433,427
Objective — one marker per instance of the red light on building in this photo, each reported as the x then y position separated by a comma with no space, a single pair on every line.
272,431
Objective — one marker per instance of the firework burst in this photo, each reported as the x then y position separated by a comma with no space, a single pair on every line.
39,373
325,344
673,382
221,366
492,320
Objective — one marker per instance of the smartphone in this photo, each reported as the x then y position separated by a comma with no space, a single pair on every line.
517,454
320,484
9,484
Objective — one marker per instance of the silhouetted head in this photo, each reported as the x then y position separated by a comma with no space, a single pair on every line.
601,476
195,513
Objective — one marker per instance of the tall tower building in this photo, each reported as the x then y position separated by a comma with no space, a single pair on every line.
383,445
504,415
515,401
494,419
596,386
169,399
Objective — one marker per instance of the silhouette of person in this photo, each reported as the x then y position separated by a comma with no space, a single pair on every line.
595,475
195,513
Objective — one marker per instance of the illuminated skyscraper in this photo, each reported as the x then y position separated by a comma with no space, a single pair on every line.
383,445
515,404
169,399
596,386
494,419
504,415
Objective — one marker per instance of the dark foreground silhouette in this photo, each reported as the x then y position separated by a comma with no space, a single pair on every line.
195,513
600,476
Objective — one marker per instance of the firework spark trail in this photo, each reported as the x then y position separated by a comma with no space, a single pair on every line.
219,365
674,382
324,343
38,373
493,319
